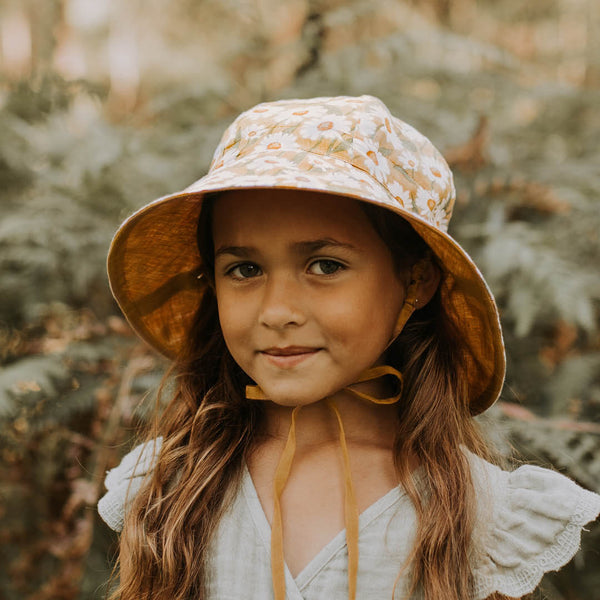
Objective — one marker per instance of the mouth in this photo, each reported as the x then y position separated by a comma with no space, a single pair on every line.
289,356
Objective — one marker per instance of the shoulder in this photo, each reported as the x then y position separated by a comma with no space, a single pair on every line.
124,481
529,521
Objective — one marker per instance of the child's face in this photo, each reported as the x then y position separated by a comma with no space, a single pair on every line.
307,292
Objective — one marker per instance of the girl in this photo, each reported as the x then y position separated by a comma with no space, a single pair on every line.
330,344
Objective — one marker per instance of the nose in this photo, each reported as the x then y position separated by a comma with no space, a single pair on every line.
281,305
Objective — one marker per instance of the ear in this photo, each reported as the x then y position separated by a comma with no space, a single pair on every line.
421,283
429,283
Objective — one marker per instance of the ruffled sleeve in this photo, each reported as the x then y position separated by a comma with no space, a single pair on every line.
124,481
530,522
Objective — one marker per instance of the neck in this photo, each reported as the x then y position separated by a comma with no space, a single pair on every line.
365,423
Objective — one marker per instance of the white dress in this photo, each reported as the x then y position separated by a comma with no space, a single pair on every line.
529,522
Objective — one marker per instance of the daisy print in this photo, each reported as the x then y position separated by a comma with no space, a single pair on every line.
391,136
371,187
227,157
242,179
428,206
306,181
344,183
439,217
376,163
435,168
300,114
278,141
314,162
446,207
366,127
409,132
228,140
328,126
269,163
252,131
401,194
322,181
407,161
342,178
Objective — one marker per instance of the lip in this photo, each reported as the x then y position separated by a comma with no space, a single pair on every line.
290,356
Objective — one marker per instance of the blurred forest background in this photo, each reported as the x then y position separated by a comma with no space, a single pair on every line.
105,105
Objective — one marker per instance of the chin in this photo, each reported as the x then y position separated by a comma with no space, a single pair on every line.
293,402
285,398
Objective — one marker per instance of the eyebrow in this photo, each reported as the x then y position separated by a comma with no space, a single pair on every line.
303,247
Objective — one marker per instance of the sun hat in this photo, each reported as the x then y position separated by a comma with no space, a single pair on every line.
348,146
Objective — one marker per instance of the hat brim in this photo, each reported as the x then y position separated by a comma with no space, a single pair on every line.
154,263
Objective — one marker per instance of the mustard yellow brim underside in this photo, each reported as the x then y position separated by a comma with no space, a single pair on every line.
153,267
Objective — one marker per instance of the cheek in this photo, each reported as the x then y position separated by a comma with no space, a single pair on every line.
365,317
233,323
226,315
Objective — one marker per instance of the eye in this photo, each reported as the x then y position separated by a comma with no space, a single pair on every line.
244,271
325,266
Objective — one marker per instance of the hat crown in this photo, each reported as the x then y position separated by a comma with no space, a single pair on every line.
361,131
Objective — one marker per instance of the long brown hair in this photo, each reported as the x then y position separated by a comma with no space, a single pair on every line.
208,428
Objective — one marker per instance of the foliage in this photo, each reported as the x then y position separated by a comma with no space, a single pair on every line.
572,447
66,412
72,378
70,176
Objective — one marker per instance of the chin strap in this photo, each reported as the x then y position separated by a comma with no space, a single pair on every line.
282,473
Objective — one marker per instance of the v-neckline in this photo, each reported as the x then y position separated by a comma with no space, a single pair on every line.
322,558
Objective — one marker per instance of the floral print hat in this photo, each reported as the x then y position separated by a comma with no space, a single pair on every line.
348,146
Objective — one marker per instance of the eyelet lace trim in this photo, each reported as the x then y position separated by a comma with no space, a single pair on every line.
526,577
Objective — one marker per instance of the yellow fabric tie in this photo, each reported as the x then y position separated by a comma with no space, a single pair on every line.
282,473
350,509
